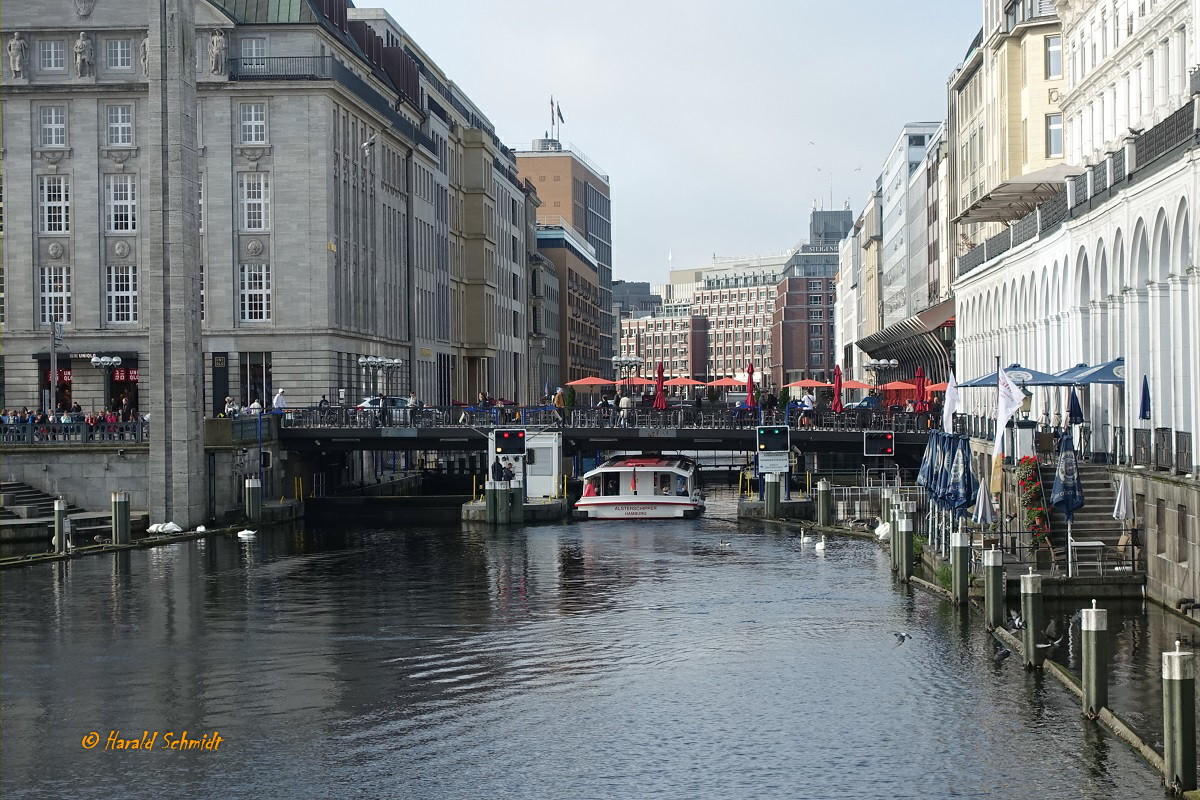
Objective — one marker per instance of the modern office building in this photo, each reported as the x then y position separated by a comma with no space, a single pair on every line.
352,202
575,192
579,316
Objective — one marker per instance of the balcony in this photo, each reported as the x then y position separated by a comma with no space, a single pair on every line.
317,68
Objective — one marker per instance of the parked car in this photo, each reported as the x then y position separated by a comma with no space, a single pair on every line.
868,403
372,403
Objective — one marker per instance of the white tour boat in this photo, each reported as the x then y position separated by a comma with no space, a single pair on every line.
641,487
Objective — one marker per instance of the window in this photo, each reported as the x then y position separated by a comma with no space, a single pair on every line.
120,200
254,53
816,313
1054,136
120,53
816,359
200,205
202,293
54,126
816,330
120,125
52,55
1053,58
254,123
816,345
255,293
815,299
122,300
254,192
814,286
55,283
54,204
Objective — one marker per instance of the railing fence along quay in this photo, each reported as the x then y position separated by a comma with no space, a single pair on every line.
61,433
1093,187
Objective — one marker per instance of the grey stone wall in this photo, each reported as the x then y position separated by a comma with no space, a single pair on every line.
84,476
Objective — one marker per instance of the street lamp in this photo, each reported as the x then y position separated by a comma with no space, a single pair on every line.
627,366
106,364
377,364
877,365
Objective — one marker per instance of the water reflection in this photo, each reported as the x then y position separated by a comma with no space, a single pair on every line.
595,659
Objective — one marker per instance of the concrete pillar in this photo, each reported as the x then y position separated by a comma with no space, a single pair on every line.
499,502
824,503
516,503
771,496
253,491
1095,659
902,535
1179,720
120,517
993,588
960,557
173,373
885,505
61,531
1031,613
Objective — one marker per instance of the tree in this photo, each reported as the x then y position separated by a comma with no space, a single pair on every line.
570,397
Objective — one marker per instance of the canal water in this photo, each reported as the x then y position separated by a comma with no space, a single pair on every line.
697,658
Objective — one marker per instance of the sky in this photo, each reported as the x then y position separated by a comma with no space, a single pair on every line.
718,123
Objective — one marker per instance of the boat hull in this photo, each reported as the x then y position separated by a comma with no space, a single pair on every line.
636,508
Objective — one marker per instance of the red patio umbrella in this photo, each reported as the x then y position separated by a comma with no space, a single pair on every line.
683,382
919,384
726,383
836,405
853,384
935,387
807,383
896,386
591,380
750,401
660,395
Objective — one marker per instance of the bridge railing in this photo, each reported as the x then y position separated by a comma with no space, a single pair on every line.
680,416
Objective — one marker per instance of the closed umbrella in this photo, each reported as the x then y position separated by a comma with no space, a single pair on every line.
660,394
1144,411
837,389
750,401
1123,508
1067,493
925,474
985,512
919,384
963,486
1074,409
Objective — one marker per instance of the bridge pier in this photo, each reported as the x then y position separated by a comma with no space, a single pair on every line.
771,495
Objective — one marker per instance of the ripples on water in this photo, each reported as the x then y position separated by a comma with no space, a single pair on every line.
591,660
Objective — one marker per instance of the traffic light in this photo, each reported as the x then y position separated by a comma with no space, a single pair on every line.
879,443
773,439
510,441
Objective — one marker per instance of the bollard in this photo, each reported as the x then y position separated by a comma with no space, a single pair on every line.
960,555
1094,624
503,503
885,505
120,517
993,588
824,503
60,526
1179,720
904,542
771,496
1031,612
253,499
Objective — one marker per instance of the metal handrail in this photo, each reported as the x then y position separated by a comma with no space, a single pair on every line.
68,433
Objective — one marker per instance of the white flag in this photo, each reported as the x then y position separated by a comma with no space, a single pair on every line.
952,405
1009,399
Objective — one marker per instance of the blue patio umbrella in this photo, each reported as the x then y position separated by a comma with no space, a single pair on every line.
925,473
1074,409
1022,376
1112,372
1070,373
985,512
1067,493
1144,412
963,485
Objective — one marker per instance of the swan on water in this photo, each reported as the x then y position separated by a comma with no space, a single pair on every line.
821,544
247,534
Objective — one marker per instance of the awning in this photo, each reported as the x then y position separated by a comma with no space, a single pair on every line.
1019,195
918,340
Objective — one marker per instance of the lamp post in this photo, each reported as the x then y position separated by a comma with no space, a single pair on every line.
106,364
626,366
878,365
381,364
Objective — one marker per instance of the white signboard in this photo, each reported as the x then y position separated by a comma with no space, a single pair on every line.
773,461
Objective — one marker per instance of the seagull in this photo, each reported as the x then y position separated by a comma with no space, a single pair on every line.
1003,653
247,534
858,168
1076,618
1052,645
813,144
820,546
201,529
369,143
900,637
1015,622
1052,629
804,537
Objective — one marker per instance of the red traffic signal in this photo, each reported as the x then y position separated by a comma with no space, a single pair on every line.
879,443
510,441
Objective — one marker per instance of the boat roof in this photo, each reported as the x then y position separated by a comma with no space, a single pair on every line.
650,461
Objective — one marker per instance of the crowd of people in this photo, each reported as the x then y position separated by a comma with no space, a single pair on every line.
98,422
